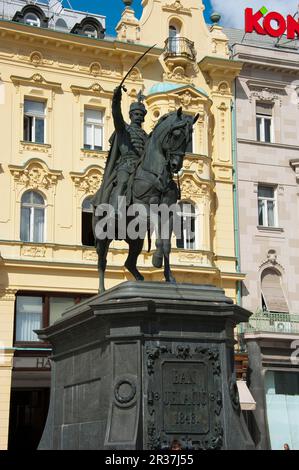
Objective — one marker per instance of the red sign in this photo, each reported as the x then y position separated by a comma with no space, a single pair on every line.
272,24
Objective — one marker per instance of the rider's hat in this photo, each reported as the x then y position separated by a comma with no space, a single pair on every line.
138,105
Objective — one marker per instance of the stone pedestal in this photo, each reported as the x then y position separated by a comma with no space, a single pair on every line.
144,364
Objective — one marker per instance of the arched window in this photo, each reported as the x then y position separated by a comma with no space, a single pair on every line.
173,38
32,217
61,25
273,298
87,233
188,229
32,19
90,31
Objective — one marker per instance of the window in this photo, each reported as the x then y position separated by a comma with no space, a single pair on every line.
32,217
267,206
273,298
187,239
87,233
32,19
90,31
36,311
34,121
173,39
57,305
264,122
61,25
93,129
29,316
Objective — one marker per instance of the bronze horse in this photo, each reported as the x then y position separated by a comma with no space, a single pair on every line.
153,184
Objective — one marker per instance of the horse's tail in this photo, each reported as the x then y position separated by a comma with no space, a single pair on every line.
149,240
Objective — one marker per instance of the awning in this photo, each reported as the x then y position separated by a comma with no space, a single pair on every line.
247,401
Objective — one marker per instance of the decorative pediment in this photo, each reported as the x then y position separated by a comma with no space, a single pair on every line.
36,79
90,180
94,89
186,96
177,7
35,174
271,262
265,90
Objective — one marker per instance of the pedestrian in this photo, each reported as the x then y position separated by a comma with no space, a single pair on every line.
175,445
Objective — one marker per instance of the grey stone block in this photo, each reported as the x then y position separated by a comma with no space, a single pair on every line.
144,364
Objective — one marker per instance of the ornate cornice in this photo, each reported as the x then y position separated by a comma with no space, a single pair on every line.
177,8
193,164
8,294
89,181
190,189
34,147
278,87
37,80
35,174
33,251
221,67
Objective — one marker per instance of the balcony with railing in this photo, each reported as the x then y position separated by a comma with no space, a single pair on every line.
178,47
271,322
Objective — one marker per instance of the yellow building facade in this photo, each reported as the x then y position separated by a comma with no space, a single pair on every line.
55,95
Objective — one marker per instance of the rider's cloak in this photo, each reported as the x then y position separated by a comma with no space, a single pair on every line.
103,194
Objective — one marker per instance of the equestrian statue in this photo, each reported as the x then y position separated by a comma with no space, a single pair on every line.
140,169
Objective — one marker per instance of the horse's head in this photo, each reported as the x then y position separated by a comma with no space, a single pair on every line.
177,138
168,143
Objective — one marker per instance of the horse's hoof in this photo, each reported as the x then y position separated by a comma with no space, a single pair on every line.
157,261
134,271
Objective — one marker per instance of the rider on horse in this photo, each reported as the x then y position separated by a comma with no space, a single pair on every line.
127,146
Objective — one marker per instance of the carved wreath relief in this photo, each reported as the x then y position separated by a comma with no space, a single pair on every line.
184,399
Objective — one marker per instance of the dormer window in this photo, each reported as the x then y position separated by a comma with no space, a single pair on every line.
32,19
32,15
90,31
89,27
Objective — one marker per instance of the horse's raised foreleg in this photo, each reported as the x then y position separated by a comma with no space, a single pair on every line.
135,248
102,247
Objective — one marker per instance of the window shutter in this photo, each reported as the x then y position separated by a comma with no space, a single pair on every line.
264,108
93,116
272,292
36,108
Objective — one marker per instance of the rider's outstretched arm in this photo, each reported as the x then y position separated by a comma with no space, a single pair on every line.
119,123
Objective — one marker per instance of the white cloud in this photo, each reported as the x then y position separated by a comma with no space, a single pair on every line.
232,11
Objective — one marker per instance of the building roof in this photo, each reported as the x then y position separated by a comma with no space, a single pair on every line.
238,36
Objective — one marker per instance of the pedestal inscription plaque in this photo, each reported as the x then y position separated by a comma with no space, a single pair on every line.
184,396
185,389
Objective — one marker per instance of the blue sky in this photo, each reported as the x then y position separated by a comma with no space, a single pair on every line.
112,9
